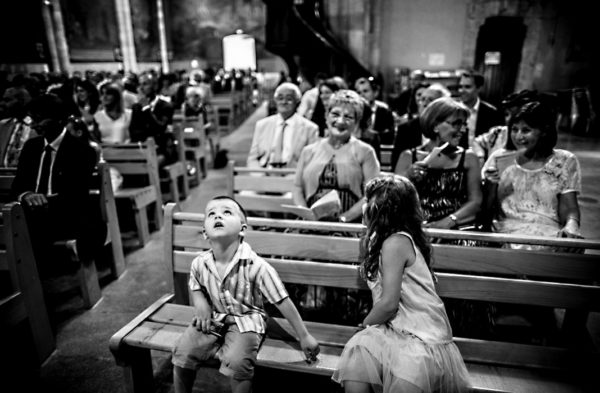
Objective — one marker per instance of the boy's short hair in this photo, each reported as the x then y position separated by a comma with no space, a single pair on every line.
225,197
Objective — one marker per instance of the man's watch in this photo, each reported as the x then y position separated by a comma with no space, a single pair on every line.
342,219
454,219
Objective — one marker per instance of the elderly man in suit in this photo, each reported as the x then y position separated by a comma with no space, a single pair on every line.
279,139
483,114
53,181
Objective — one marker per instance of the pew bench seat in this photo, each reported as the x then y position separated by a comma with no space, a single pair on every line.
160,326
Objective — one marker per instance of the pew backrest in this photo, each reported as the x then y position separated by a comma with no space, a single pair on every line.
260,189
21,298
540,278
135,159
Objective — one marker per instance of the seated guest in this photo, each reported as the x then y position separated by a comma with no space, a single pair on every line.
150,117
338,162
130,90
446,175
52,183
310,96
537,193
497,137
87,100
483,115
194,106
365,133
406,102
14,128
113,119
382,120
326,90
278,139
409,134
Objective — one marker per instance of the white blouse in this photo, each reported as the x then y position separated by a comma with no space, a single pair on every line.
113,131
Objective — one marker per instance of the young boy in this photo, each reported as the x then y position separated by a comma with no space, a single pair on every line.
228,283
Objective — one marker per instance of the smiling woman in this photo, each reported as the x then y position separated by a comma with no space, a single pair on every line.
338,162
446,176
537,193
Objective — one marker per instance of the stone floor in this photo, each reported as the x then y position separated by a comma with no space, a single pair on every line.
83,363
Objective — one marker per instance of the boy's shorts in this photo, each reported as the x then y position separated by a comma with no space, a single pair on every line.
236,351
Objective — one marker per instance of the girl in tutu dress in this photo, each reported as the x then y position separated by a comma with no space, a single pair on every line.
406,344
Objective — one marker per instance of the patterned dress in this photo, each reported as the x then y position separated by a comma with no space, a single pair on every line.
442,191
328,180
530,196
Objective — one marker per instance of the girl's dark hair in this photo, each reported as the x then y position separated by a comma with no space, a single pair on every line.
542,116
93,93
392,206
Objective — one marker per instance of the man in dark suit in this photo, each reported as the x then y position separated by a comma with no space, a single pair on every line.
53,181
383,119
483,114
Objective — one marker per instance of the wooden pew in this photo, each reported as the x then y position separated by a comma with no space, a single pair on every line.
139,159
492,274
87,273
225,110
21,297
249,187
191,133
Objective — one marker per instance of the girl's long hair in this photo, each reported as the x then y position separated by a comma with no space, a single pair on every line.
392,206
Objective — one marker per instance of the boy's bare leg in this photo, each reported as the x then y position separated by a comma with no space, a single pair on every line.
183,379
241,385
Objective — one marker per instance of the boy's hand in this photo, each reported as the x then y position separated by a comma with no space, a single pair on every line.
310,347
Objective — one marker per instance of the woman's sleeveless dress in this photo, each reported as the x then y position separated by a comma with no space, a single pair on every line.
328,180
413,349
442,191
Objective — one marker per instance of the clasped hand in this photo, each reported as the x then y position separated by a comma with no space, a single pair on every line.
33,199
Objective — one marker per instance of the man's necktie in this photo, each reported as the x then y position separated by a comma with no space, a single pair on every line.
45,174
278,152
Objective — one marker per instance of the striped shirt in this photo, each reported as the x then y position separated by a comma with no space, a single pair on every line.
240,293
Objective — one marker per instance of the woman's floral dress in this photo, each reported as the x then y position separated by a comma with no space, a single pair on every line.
529,197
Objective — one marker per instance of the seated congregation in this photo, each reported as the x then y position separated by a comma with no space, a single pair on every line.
90,160
464,295
469,241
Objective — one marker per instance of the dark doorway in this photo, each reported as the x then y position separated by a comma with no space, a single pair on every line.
498,55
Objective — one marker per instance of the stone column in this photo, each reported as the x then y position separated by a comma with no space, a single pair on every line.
60,37
49,27
126,40
162,36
